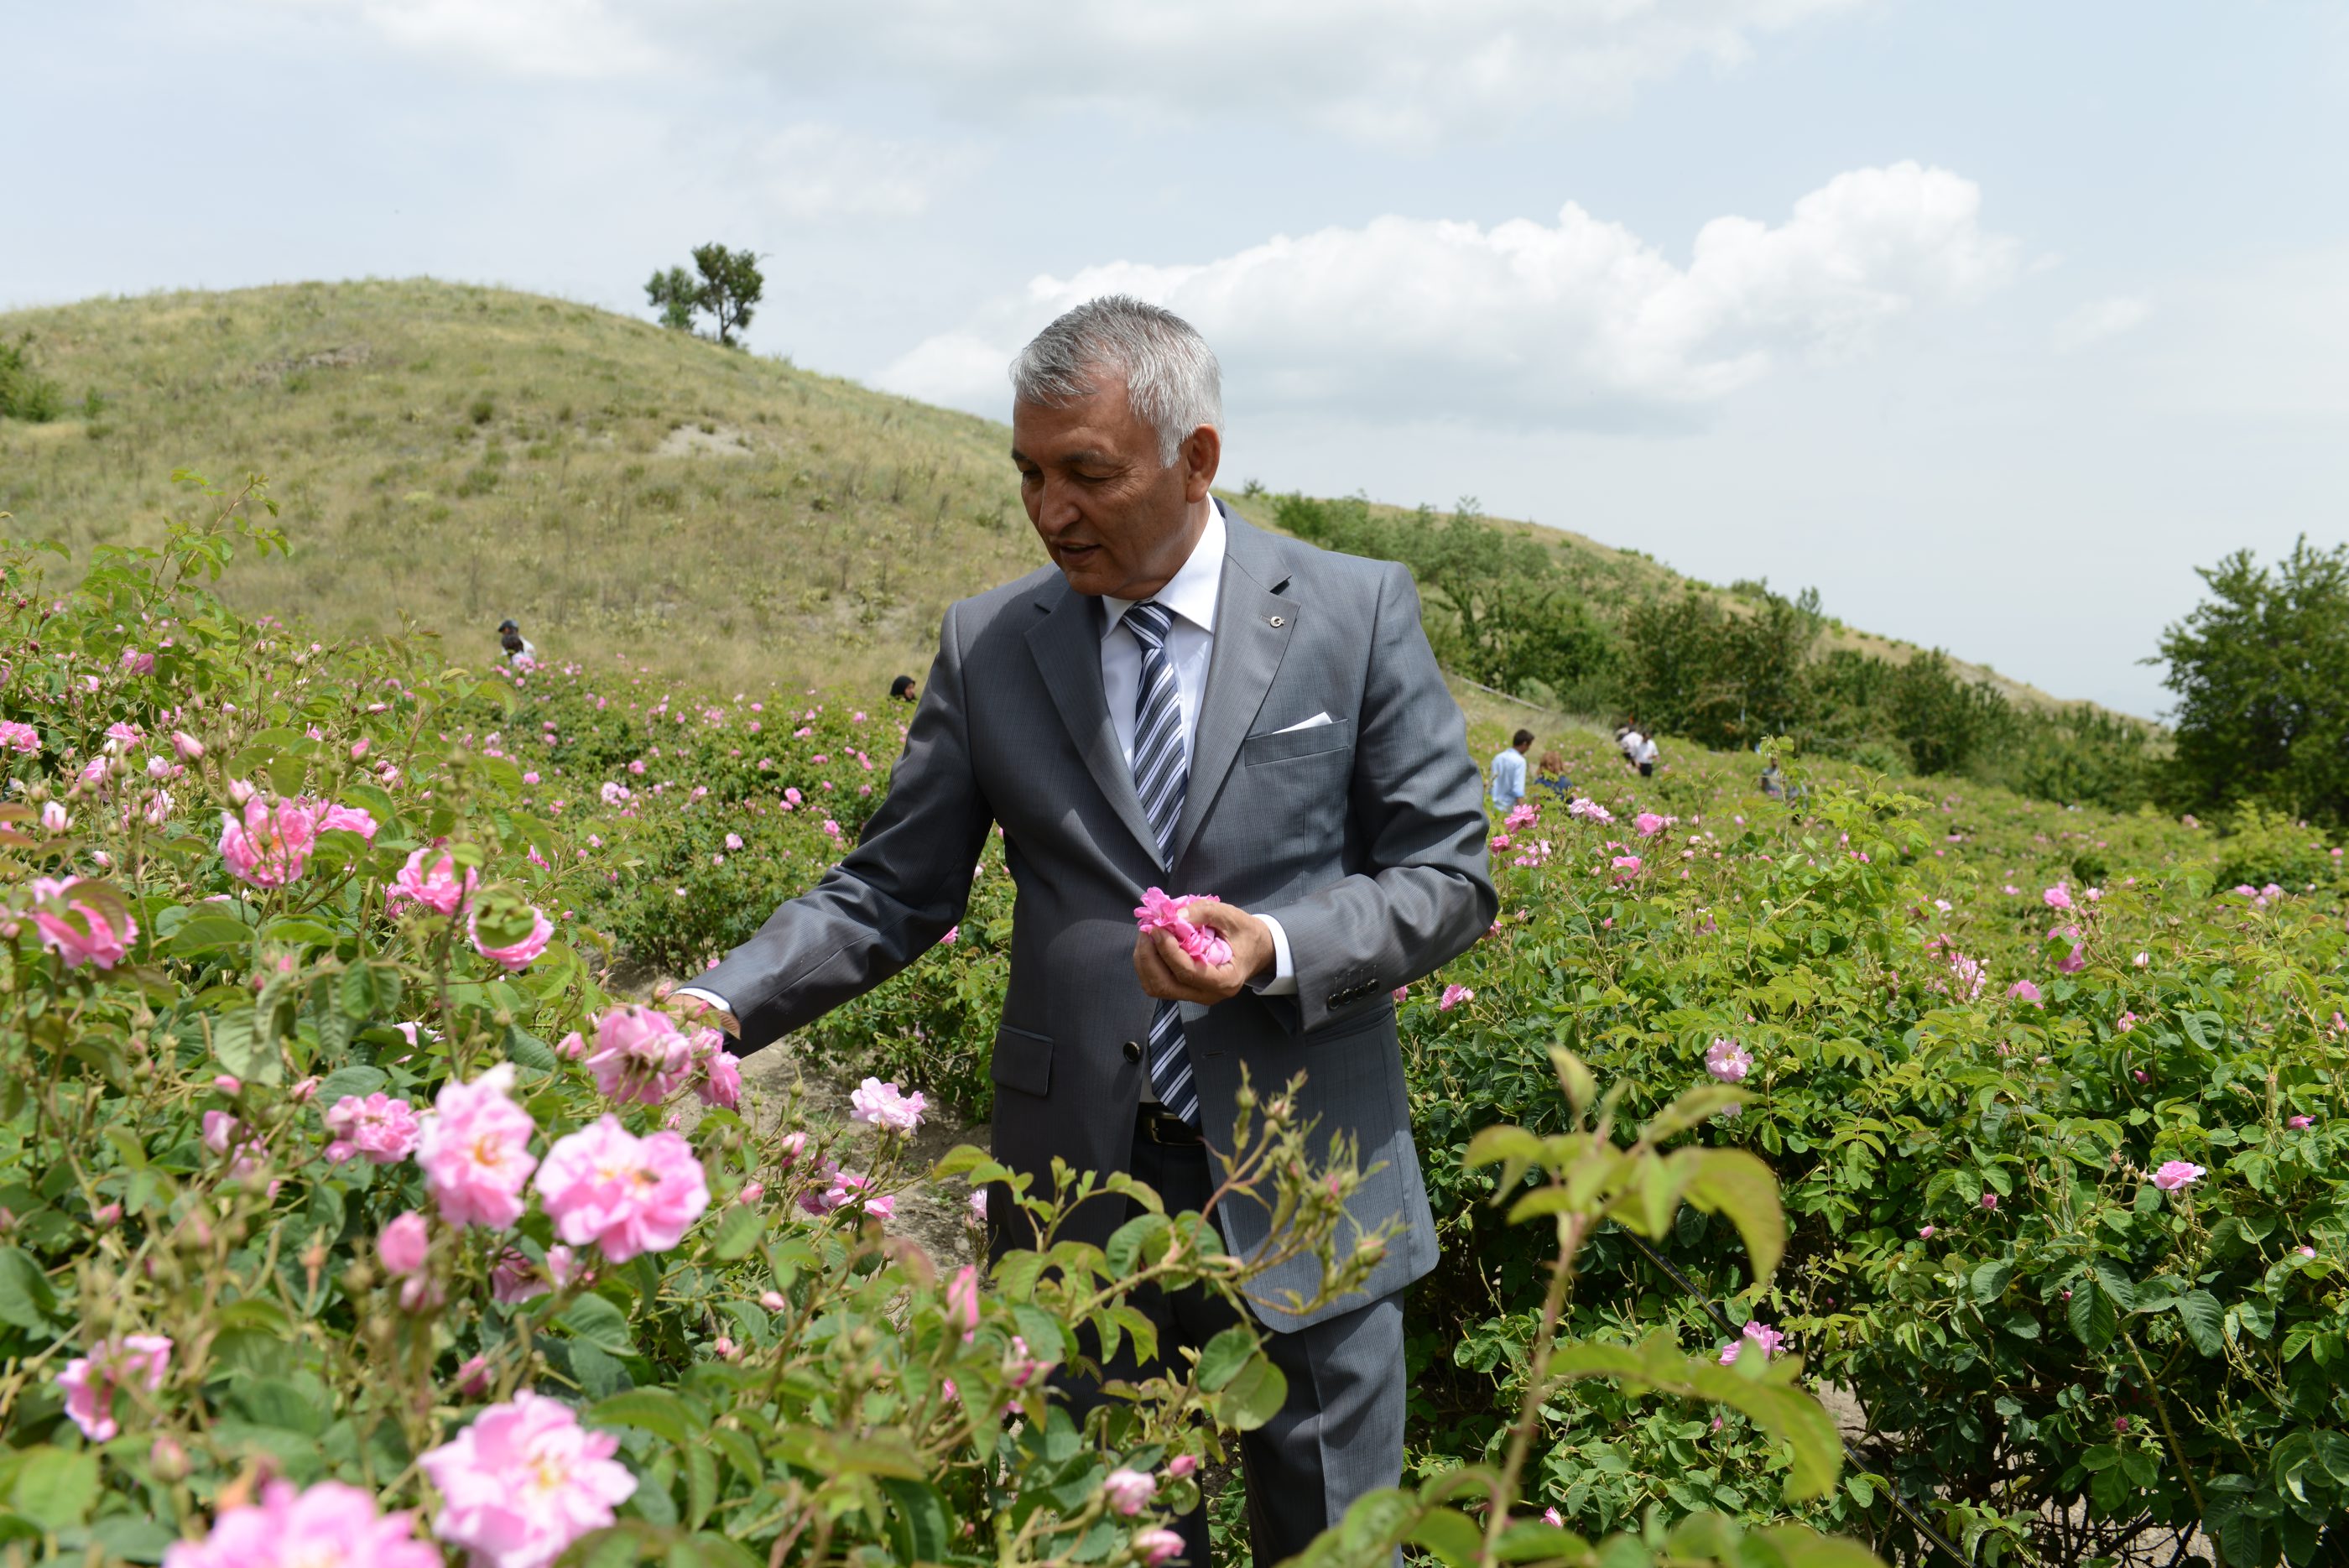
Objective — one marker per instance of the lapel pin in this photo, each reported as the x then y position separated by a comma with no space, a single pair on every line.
1275,621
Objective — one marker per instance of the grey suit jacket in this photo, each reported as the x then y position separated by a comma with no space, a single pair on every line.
1364,836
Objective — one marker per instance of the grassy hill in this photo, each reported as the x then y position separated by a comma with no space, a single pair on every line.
457,454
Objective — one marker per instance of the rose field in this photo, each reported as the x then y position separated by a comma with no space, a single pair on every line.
1946,1178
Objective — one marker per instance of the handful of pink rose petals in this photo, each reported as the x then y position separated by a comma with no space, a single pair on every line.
1204,944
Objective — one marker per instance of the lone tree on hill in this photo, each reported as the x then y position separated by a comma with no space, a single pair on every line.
728,286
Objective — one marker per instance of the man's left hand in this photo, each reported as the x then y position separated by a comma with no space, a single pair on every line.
1168,972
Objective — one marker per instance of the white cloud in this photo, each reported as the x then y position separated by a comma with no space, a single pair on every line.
1380,71
1578,324
2099,320
590,39
813,171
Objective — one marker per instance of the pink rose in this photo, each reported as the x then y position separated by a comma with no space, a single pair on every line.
1157,1546
1454,995
515,955
2176,1174
1728,1061
81,932
639,1055
270,845
1128,1492
347,819
1204,944
327,1523
962,1301
2059,897
524,1482
627,1194
1757,1333
382,1128
431,877
885,1107
474,1147
403,1244
138,1361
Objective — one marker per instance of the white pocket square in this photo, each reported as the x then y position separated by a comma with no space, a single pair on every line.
1314,722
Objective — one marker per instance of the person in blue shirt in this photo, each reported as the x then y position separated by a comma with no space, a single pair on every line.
1551,776
1509,770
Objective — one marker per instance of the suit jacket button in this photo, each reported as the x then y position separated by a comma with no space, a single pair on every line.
1133,1050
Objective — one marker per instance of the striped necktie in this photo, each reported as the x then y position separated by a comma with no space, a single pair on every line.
1161,771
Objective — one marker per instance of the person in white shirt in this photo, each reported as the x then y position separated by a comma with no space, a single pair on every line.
518,648
1509,770
1629,739
1646,756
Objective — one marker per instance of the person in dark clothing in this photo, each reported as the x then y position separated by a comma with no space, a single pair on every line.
902,689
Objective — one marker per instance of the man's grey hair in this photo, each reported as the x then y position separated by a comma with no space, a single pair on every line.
1171,379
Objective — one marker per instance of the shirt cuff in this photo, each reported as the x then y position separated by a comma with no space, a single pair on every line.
726,1021
1283,980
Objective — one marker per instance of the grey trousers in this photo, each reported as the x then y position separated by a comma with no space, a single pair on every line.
1340,1433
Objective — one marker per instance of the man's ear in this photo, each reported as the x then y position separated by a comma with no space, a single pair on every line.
1202,453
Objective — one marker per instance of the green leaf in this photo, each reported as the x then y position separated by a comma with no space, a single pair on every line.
55,1487
1734,1182
1450,1534
26,1297
738,1232
530,1051
355,1080
2199,1312
700,1484
2116,1284
1770,1399
1253,1396
1802,1548
370,991
1989,1282
204,932
1224,1357
600,1323
244,1046
921,1529
657,1410
2091,1315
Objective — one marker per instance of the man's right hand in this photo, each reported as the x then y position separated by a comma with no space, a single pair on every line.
687,1009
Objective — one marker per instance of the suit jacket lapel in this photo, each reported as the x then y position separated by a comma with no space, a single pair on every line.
1252,631
1066,646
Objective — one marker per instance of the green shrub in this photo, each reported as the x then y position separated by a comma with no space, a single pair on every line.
24,394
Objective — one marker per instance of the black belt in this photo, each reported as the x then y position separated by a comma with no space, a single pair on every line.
1155,1123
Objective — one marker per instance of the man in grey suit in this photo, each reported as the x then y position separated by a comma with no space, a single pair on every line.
1179,701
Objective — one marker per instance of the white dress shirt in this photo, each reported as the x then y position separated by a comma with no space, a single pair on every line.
1190,596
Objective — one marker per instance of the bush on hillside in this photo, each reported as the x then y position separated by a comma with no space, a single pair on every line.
24,394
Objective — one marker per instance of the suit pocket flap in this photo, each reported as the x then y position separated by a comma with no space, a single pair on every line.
1022,1060
1283,744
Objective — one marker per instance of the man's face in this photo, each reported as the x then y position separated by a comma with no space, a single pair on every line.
1113,518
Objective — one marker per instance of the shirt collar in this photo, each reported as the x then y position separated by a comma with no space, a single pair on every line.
1191,592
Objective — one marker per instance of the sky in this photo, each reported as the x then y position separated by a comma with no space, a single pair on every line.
1991,321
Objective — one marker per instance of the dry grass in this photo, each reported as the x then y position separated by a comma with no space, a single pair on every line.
459,455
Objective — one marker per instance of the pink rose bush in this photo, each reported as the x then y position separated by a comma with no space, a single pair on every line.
1202,943
524,1481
